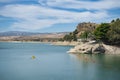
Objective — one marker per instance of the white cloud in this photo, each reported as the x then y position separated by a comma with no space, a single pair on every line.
5,1
78,4
34,17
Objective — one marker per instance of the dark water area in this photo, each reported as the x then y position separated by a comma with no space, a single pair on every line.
54,63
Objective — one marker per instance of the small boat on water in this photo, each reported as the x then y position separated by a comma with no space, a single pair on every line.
33,57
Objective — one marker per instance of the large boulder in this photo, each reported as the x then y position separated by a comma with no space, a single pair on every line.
98,49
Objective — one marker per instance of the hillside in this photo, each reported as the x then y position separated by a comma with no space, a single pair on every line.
86,27
108,33
28,36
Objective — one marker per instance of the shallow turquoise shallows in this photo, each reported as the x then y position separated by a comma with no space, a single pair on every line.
38,61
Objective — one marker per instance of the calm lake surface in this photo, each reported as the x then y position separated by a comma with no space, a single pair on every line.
54,63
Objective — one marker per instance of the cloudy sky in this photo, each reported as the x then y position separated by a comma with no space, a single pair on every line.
54,15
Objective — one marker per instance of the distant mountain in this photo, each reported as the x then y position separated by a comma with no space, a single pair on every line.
17,33
21,33
29,36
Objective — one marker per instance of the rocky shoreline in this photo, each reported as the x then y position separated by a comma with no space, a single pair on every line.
94,48
81,47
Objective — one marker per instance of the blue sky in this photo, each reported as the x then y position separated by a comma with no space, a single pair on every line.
54,15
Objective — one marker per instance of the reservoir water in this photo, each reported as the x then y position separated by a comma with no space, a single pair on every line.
39,61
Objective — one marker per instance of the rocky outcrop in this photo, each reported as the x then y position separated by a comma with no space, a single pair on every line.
86,26
90,48
82,27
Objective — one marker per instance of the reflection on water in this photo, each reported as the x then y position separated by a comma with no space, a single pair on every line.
104,61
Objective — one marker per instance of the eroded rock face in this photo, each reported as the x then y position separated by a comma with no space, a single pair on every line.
87,48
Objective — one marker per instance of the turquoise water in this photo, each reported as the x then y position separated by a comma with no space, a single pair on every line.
53,63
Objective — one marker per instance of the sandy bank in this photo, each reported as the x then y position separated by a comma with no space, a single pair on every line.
65,43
